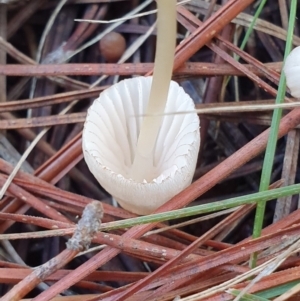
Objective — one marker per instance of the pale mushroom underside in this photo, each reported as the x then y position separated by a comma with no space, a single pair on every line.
110,137
291,69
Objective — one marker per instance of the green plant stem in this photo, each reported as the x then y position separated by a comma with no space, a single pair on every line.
259,197
249,31
247,297
250,28
272,142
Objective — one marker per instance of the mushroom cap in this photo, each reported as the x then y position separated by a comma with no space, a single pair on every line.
292,72
110,138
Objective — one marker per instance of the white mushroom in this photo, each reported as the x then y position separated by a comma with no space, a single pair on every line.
143,162
110,139
292,72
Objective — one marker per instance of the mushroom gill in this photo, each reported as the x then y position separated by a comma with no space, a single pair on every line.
110,138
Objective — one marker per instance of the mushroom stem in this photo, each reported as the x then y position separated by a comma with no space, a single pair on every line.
164,58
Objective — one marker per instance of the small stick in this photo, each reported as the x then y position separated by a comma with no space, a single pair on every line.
86,228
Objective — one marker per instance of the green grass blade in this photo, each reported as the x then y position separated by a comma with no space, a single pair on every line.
250,28
278,290
249,31
246,297
258,197
272,142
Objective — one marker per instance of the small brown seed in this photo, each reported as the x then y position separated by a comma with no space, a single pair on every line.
112,46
